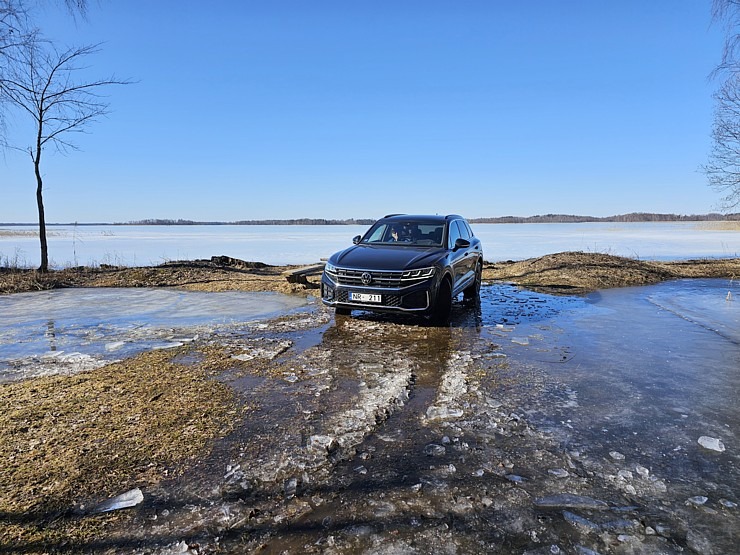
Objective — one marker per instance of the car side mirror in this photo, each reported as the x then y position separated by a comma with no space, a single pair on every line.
461,243
356,239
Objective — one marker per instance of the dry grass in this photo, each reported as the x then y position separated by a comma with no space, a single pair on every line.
719,226
69,442
192,276
14,280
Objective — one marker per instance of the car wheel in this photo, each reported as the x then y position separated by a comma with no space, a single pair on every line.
443,304
342,311
472,293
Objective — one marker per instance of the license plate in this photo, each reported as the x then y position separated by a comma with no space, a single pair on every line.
365,297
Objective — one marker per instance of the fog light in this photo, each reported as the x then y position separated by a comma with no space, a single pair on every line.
328,293
415,300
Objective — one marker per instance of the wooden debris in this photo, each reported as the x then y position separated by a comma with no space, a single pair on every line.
298,275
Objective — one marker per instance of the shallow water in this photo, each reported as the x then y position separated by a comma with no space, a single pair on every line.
47,331
643,374
655,369
591,404
713,304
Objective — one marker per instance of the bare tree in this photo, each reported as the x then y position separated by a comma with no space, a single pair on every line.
13,34
11,25
48,86
725,13
16,23
17,30
723,166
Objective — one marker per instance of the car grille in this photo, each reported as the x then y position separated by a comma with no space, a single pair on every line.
379,278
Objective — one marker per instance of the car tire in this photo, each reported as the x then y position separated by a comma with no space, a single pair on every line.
442,304
472,293
342,311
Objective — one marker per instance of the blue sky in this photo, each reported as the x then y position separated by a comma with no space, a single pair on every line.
329,109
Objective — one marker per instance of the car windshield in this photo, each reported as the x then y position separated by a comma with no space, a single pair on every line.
406,233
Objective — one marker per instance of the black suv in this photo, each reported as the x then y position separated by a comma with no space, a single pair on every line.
404,263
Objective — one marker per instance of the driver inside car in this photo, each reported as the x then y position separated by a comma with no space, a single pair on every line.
399,235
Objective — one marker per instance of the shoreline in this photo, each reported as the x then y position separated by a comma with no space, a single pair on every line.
570,272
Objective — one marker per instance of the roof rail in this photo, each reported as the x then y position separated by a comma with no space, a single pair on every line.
391,215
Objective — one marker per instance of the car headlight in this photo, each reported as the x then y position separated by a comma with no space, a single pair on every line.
330,268
421,273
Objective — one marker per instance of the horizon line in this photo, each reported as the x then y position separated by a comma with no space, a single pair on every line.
548,218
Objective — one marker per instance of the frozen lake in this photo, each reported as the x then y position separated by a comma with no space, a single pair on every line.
68,330
279,245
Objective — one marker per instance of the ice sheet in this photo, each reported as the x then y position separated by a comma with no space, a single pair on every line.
713,304
285,244
69,330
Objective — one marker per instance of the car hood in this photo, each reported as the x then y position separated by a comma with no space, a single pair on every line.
378,257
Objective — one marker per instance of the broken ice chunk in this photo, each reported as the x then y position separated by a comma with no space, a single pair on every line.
711,443
129,499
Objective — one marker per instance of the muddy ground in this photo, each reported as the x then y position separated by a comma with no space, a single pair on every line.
316,434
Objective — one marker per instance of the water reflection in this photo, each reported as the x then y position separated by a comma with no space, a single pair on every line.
464,314
51,335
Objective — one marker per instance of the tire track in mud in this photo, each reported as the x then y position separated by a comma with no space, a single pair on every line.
380,435
315,407
402,474
383,436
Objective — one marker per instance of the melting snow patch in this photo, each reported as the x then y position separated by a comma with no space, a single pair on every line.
49,364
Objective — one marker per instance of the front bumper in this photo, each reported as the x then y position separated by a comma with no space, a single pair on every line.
415,297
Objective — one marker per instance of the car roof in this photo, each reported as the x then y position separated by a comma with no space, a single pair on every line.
421,217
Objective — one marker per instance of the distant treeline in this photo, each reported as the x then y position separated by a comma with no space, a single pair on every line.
546,218
632,217
299,221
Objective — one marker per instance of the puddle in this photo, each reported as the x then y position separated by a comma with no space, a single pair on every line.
68,330
506,305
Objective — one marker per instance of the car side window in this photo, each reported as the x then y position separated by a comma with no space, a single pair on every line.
470,229
453,235
464,230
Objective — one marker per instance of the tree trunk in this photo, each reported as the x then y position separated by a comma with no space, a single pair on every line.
44,267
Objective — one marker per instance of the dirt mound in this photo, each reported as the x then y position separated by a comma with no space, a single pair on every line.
590,271
194,275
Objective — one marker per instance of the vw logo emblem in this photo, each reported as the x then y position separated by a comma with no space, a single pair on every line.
367,278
